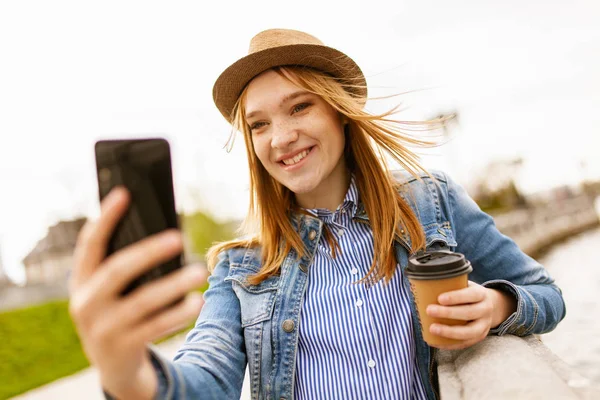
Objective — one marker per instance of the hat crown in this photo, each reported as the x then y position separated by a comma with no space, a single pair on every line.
285,47
280,37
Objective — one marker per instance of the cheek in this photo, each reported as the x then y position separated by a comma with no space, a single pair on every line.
261,149
338,141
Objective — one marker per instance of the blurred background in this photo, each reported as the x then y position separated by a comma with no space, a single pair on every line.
521,77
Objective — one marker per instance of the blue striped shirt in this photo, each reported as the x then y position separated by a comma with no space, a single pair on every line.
355,342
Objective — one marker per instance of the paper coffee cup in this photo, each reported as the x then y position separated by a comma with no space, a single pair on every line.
430,274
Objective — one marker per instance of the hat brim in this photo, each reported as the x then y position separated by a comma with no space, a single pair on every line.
234,79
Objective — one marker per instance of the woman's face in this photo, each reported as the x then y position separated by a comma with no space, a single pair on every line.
297,136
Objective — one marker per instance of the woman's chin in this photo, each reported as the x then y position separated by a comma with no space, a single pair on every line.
300,189
300,186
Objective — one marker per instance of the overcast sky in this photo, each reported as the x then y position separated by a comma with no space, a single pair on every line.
522,74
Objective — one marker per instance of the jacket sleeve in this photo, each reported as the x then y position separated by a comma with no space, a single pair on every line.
212,361
500,264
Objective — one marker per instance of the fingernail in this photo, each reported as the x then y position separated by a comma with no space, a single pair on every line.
443,299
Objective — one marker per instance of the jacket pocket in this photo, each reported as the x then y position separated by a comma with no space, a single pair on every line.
256,301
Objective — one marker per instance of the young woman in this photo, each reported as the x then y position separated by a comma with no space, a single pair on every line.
314,299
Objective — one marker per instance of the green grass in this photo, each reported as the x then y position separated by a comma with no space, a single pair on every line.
37,345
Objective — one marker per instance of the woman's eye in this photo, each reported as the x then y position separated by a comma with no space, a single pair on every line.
300,107
257,125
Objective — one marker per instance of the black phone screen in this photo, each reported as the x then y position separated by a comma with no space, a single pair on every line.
143,166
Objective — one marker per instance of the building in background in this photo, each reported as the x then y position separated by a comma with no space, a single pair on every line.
4,280
52,257
47,268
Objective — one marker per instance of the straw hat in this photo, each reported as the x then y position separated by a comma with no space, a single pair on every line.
278,47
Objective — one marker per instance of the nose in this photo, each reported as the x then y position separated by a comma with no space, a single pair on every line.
284,134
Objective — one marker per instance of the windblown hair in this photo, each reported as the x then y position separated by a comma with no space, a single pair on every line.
368,138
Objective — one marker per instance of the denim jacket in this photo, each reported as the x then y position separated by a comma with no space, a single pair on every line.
257,325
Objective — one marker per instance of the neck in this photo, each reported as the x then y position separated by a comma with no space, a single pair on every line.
330,193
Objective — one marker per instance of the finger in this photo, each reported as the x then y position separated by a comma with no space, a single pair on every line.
94,236
124,266
156,295
171,320
471,294
468,312
471,330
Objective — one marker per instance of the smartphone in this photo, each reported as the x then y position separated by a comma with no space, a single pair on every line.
143,167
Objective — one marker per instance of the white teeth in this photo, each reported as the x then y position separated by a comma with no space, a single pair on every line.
296,159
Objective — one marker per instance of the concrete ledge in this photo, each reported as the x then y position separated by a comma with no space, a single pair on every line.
509,367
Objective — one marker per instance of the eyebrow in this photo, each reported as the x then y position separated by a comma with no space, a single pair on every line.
286,99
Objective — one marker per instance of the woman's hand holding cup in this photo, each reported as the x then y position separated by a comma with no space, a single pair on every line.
474,305
482,309
114,329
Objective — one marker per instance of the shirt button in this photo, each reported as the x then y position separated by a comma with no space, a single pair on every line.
312,235
371,363
288,325
359,303
340,232
354,271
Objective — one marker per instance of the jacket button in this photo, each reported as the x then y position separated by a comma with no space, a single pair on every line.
288,325
303,268
312,235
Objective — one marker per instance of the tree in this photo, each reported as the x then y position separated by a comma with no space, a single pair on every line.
203,231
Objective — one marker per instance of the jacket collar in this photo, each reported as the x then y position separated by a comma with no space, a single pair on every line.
402,238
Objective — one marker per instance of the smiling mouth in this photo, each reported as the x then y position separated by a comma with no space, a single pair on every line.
297,158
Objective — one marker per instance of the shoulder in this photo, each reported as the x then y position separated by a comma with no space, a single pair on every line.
243,257
438,186
233,252
437,196
427,194
422,187
405,178
235,263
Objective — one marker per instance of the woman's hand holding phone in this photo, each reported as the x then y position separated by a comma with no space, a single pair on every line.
114,329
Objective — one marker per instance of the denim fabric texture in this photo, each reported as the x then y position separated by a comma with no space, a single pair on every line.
257,325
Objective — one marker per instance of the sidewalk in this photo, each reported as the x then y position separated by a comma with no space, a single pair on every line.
85,384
